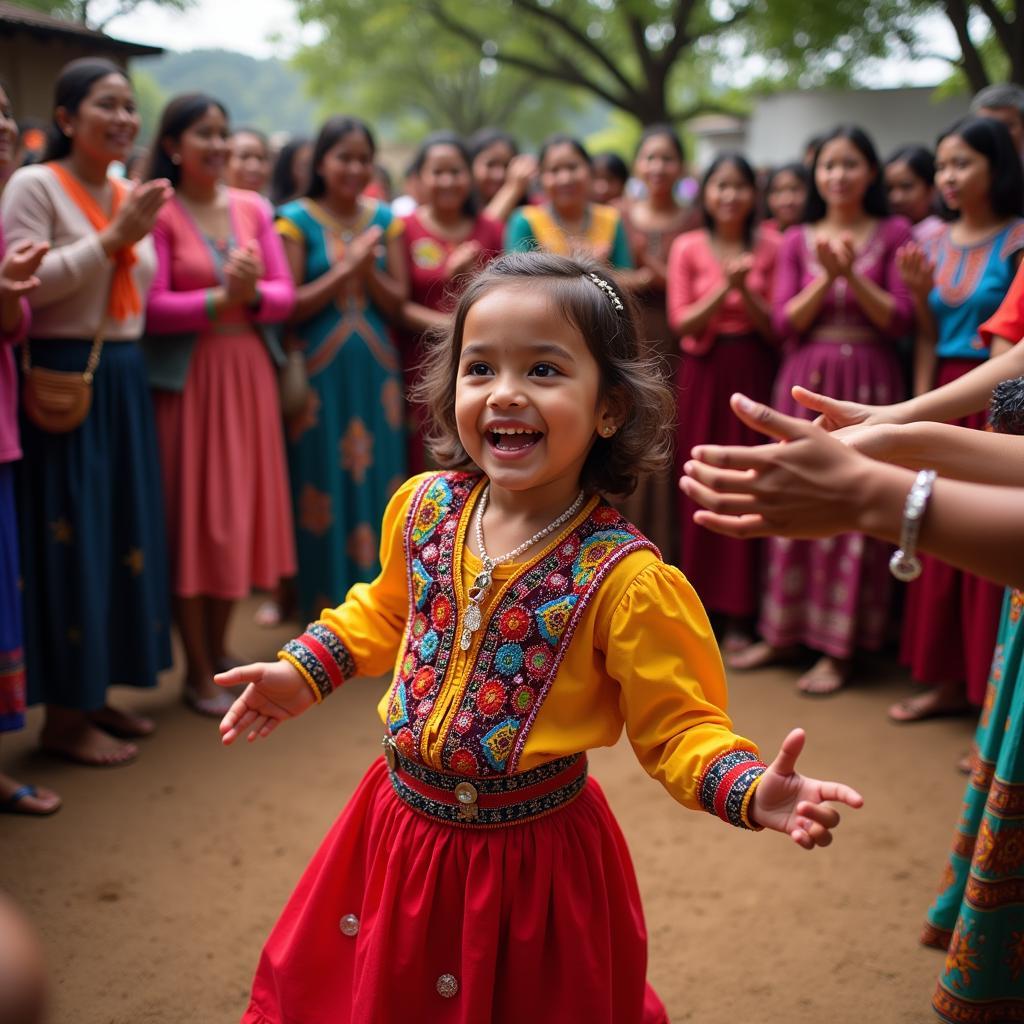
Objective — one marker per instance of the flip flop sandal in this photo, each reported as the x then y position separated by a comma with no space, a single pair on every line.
13,804
212,707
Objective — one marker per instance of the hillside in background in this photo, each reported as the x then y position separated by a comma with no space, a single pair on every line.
265,94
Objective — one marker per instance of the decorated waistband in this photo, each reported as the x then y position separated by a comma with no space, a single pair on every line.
486,803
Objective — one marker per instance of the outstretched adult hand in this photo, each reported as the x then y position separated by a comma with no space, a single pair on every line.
276,692
796,805
834,414
807,486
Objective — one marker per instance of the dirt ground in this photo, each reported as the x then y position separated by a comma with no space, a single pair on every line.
156,884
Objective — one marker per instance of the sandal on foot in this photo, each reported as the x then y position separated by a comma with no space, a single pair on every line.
822,682
212,707
15,803
268,615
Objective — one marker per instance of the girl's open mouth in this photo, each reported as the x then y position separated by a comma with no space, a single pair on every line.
508,439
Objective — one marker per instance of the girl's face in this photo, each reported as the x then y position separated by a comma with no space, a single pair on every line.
445,179
605,187
249,163
347,167
565,177
490,168
728,196
302,166
962,175
786,199
203,148
527,398
104,126
658,166
909,195
8,135
843,174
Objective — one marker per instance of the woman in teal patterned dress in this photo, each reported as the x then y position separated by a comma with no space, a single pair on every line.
346,448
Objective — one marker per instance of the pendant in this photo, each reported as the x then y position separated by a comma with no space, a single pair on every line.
472,618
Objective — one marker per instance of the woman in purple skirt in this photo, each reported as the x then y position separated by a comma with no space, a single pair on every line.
840,305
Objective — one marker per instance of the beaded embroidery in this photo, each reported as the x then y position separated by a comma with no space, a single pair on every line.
526,629
726,786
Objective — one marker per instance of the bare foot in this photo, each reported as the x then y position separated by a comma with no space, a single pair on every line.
965,764
935,703
83,743
826,676
758,655
735,641
18,798
122,724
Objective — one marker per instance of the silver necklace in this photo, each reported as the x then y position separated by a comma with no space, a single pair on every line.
472,618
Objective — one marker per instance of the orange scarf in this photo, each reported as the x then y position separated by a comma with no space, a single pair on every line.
124,296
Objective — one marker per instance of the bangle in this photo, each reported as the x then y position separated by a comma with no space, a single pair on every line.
904,564
210,304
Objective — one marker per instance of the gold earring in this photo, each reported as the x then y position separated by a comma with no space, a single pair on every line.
608,431
176,159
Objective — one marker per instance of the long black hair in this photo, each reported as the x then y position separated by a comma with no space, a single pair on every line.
178,116
283,185
334,129
561,139
470,208
658,131
487,137
875,202
921,162
993,141
73,85
747,173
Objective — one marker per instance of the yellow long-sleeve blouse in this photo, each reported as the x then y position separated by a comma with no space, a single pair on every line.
643,656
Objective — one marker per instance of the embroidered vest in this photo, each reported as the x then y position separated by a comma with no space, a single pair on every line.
526,631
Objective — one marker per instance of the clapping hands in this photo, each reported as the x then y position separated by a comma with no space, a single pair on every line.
917,271
242,273
836,255
18,270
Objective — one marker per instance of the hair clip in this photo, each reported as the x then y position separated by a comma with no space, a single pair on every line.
608,290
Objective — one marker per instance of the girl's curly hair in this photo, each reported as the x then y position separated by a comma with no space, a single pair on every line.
638,382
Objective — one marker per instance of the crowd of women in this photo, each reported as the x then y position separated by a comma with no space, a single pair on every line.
248,327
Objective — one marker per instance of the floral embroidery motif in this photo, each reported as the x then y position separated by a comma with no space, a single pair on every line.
315,515
527,628
963,958
356,447
397,715
391,402
362,546
1015,956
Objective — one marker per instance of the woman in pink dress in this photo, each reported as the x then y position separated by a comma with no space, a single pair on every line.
445,240
719,283
222,270
840,305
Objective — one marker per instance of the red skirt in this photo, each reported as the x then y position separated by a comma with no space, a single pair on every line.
951,618
403,918
726,572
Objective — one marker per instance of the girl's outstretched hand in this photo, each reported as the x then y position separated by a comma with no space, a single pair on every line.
790,803
276,692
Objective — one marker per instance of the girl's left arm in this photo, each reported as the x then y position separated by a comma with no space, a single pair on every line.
661,650
277,288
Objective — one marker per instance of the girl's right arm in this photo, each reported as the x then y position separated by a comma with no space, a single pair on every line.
360,637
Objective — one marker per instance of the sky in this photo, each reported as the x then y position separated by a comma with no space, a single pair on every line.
269,28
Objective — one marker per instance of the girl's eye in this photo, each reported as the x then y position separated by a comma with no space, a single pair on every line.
544,370
477,370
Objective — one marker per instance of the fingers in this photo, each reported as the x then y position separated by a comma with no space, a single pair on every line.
792,745
815,402
766,420
724,504
734,526
743,481
839,793
739,457
239,675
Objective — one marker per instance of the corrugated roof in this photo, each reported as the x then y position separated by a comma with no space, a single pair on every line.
39,24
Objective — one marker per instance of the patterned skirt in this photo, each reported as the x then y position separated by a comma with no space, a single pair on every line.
12,657
978,916
93,543
400,917
951,616
831,595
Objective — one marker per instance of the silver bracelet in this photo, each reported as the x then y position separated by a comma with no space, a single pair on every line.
904,564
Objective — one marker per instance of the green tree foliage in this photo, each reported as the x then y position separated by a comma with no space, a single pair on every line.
807,45
99,13
265,94
392,62
453,59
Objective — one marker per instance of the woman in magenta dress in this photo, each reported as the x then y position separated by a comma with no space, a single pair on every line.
221,271
839,305
445,239
958,281
719,284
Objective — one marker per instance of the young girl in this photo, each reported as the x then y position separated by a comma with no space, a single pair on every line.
910,189
719,283
785,196
477,874
958,282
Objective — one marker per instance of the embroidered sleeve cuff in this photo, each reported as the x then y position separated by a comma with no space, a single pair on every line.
728,784
322,659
